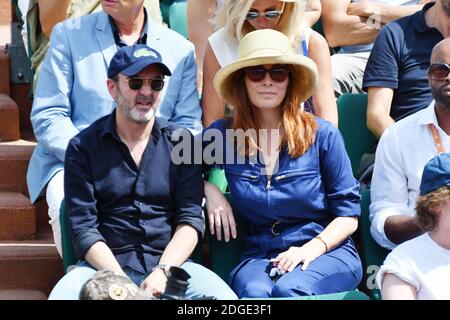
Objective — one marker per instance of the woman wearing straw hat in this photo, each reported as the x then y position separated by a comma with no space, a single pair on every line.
288,173
236,19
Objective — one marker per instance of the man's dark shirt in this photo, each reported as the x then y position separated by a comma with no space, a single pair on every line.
133,210
142,38
400,59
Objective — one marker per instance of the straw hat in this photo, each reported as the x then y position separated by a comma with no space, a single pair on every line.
268,46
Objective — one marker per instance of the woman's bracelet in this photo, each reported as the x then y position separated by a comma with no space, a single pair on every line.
324,243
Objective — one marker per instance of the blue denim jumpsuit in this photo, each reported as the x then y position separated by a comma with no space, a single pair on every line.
296,204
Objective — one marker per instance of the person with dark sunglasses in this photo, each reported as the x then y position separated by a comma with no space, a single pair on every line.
236,19
288,174
404,149
130,208
70,92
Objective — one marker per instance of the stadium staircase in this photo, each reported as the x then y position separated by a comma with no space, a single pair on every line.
29,263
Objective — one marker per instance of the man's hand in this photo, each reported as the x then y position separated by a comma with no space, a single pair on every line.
220,213
305,254
155,283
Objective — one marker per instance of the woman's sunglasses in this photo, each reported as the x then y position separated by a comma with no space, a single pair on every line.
439,71
136,83
268,14
276,73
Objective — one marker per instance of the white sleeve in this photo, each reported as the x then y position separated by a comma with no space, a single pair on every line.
400,263
389,190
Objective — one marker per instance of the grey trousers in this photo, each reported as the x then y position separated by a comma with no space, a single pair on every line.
348,72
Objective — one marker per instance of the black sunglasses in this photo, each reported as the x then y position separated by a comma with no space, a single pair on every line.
136,83
439,71
268,14
258,73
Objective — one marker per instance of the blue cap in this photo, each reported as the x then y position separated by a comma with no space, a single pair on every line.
131,60
436,174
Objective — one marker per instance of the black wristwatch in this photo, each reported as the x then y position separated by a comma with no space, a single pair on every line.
164,267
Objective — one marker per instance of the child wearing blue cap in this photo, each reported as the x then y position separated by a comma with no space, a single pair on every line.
420,268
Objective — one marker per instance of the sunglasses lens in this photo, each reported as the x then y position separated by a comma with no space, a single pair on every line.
272,14
255,75
135,83
157,84
279,74
439,72
252,15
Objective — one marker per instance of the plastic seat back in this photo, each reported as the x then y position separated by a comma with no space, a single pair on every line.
373,255
352,124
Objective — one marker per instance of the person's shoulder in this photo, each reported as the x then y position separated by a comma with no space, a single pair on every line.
408,123
75,24
325,127
173,37
221,124
87,135
219,34
411,248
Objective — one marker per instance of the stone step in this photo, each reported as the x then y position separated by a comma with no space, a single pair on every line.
22,294
32,264
4,71
14,159
9,119
17,216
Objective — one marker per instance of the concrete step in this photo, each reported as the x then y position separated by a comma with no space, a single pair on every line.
14,159
22,294
9,119
32,264
20,93
17,216
4,71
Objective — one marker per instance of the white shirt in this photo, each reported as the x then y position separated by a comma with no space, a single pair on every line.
422,263
226,48
404,149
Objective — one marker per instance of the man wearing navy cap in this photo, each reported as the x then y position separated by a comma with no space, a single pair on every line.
70,93
130,209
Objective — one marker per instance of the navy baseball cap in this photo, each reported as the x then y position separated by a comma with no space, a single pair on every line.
436,174
131,60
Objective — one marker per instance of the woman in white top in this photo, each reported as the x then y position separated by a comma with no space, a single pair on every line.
236,19
420,268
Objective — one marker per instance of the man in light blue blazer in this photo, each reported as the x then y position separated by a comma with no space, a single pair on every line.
71,91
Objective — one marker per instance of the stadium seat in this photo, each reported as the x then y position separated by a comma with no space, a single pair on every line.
352,124
68,254
372,254
178,18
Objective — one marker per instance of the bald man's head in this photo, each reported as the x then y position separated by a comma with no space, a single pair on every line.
438,76
441,52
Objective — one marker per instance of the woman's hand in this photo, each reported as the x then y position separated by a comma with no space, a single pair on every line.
305,254
155,283
219,213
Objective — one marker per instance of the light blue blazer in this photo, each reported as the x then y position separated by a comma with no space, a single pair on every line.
71,92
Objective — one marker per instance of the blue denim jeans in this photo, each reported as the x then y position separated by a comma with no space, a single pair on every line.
202,282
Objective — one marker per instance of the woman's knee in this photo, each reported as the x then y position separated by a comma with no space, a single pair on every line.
248,288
